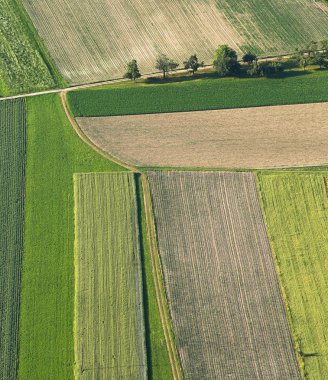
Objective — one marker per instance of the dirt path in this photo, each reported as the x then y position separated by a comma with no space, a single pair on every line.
156,271
157,278
84,138
119,80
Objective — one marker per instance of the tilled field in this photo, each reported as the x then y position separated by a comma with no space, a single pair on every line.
12,174
240,138
228,315
109,333
296,211
91,42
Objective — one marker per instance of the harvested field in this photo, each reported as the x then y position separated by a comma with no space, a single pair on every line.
240,138
228,315
271,28
93,43
12,188
296,212
109,333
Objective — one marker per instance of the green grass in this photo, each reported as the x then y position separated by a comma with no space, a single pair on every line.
54,154
201,94
296,213
159,367
25,64
109,317
12,178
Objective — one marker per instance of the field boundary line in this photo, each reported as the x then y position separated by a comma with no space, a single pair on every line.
119,80
84,138
295,339
158,283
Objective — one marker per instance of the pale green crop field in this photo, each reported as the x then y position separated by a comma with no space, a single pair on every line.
109,318
296,213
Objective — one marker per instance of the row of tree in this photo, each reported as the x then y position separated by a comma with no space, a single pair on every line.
226,62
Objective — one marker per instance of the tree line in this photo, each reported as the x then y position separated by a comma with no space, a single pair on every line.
226,62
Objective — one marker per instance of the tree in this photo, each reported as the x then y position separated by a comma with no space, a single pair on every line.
193,64
249,58
324,46
165,64
320,60
256,69
225,61
132,70
302,58
311,49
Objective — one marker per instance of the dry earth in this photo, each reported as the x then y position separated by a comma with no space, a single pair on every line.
227,311
278,136
92,42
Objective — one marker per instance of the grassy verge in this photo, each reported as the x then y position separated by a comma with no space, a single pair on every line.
25,64
295,208
55,153
158,360
12,177
291,87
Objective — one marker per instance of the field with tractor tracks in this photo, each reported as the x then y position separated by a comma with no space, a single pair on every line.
12,190
109,311
227,311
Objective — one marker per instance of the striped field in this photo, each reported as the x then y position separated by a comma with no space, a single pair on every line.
12,186
109,321
296,212
228,315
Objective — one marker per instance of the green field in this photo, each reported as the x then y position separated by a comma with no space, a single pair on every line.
296,212
24,65
55,153
275,27
12,177
201,94
158,360
109,316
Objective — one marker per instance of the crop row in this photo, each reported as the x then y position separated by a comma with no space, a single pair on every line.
227,311
12,174
296,212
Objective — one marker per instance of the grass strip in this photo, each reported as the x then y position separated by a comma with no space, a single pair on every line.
200,94
54,154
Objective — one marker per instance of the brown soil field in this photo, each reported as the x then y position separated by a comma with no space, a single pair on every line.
227,311
94,41
264,137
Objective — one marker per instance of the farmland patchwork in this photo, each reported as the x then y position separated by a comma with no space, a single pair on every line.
224,297
12,188
109,320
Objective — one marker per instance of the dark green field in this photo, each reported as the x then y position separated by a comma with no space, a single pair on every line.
201,94
12,177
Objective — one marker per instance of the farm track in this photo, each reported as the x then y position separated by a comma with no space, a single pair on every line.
159,290
119,80
85,139
158,282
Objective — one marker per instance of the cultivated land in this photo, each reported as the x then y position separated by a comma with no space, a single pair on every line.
54,154
91,43
227,311
24,64
296,212
275,27
291,87
241,138
109,319
12,176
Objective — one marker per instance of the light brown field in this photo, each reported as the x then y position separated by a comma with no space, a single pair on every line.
278,136
94,41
